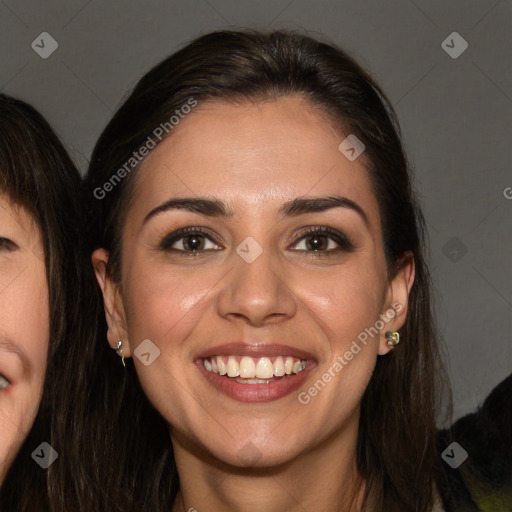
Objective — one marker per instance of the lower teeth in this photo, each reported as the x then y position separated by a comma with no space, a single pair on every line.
241,380
253,381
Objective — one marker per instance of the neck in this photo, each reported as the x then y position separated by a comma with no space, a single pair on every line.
323,478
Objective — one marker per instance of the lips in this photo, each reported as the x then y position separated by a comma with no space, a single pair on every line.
267,386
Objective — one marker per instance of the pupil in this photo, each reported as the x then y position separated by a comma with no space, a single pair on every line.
316,244
194,242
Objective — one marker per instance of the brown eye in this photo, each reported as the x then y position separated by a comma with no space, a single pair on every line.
190,241
317,240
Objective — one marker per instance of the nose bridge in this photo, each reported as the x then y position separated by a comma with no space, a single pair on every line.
255,288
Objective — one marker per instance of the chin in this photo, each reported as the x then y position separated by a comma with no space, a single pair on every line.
251,452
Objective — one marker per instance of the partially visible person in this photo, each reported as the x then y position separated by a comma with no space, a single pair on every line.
482,482
44,308
24,327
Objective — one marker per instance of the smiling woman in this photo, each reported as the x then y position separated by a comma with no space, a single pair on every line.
239,261
24,296
45,302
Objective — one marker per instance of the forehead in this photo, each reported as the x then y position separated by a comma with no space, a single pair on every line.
254,154
16,216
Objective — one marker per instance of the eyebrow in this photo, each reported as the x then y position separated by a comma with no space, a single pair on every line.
295,207
14,349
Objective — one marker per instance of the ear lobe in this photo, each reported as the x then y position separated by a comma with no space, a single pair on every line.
112,301
397,300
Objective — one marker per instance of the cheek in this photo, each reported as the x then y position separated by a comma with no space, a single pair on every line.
358,310
24,320
348,304
347,301
164,306
24,316
37,331
32,311
165,301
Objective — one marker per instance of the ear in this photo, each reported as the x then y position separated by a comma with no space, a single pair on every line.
113,302
397,301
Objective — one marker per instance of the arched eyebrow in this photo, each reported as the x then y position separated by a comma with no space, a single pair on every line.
293,208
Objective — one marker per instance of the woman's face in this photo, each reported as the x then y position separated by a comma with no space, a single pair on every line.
24,327
256,293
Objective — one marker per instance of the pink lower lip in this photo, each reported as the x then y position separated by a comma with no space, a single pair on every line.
256,393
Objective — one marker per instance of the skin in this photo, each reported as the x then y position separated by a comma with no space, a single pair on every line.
24,327
254,157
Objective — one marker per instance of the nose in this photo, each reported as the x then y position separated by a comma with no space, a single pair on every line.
257,292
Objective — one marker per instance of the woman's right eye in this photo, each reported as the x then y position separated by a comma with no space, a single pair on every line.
192,241
4,383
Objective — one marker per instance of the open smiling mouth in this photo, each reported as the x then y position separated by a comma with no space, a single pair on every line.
255,379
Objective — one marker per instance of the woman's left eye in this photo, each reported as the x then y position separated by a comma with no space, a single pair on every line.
315,237
192,241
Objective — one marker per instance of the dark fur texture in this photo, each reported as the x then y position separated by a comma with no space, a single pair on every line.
483,482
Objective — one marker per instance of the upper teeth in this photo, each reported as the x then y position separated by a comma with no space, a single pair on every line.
249,368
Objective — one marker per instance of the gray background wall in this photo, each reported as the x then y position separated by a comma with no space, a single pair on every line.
455,115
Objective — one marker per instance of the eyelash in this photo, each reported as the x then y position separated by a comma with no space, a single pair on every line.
342,240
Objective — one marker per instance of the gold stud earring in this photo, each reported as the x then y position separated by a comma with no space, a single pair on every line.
119,351
393,338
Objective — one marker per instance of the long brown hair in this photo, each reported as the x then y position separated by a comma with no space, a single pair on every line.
396,452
